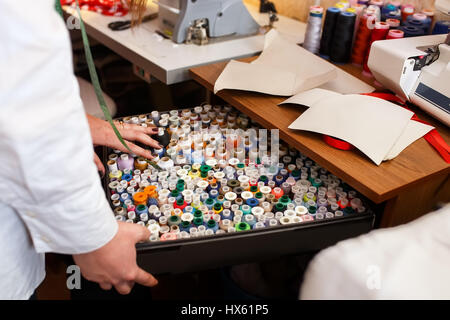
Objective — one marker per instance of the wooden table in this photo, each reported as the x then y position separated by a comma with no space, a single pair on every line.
410,185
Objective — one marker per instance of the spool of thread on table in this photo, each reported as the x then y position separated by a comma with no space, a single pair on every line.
393,23
312,34
441,27
379,33
374,10
387,8
430,14
328,31
411,31
407,11
341,46
362,39
397,14
424,20
395,34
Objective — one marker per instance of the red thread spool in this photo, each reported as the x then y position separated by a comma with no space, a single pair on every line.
393,23
407,11
362,39
379,33
395,34
337,143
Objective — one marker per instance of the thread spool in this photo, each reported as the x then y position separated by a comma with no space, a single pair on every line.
328,31
374,10
397,14
411,31
441,27
423,18
379,33
312,34
362,39
386,9
395,34
393,23
407,11
340,50
125,161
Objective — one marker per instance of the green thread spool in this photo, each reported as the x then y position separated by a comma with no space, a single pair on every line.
198,222
185,224
174,221
280,207
242,226
198,214
285,200
211,224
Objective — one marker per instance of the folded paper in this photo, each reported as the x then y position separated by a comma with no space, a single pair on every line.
283,68
373,125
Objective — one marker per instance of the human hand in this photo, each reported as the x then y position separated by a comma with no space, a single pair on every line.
103,134
114,264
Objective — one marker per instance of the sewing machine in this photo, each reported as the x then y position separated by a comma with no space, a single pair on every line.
202,21
417,69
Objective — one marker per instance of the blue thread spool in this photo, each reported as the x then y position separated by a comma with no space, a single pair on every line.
441,27
416,23
227,214
394,15
185,226
152,201
124,196
386,9
140,209
209,203
252,202
410,31
250,219
127,177
426,23
213,193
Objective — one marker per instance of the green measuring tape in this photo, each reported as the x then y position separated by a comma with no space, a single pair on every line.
95,81
93,74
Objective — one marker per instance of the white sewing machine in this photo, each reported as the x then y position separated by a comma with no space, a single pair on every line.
417,69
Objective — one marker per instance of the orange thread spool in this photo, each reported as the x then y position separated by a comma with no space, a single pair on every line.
150,191
362,39
140,198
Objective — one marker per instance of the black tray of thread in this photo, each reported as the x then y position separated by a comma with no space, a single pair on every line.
257,245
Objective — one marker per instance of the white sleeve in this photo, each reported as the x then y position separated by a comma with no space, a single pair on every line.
47,171
410,261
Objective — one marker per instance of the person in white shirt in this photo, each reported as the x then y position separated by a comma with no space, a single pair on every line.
411,261
51,198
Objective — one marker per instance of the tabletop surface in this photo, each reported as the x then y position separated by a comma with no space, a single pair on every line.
417,163
170,62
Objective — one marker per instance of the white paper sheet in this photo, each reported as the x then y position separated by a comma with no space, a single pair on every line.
371,124
413,131
278,61
269,80
310,97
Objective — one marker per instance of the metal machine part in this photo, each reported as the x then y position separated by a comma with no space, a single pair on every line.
199,21
417,69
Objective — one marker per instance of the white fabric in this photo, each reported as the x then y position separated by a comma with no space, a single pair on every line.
51,196
411,261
